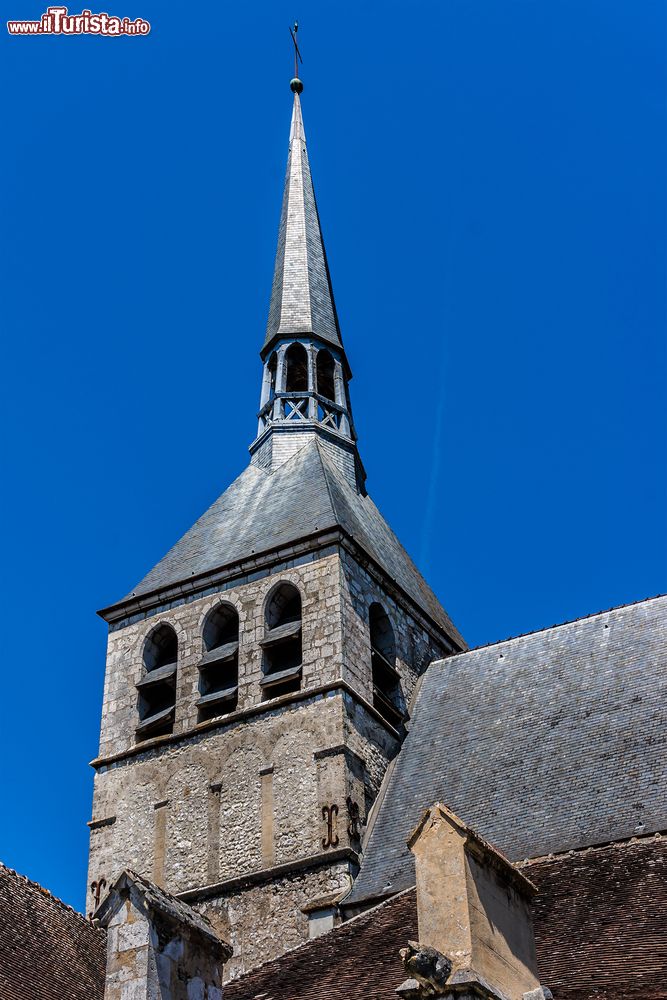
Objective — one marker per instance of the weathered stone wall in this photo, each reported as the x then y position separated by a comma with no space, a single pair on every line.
263,921
318,582
416,644
220,800
209,825
191,814
501,930
148,957
473,906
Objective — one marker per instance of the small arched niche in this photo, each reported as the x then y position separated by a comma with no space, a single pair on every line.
157,686
326,368
281,645
296,368
219,665
387,694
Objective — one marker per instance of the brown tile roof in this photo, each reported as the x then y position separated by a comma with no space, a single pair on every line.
47,950
359,959
599,931
600,924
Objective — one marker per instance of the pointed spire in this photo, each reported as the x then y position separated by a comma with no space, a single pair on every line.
302,302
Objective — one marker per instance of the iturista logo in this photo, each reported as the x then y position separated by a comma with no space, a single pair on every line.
58,21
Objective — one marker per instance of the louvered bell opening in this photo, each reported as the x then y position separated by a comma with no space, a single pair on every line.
157,685
282,648
219,665
387,693
386,689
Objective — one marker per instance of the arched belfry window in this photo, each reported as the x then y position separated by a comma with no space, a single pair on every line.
387,695
296,360
325,375
282,642
328,411
272,368
219,665
157,687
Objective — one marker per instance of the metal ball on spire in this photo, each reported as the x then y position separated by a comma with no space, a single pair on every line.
296,86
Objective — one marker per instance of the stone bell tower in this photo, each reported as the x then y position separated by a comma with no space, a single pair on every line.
258,679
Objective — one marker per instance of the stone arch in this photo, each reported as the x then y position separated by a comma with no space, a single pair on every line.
160,646
220,626
219,665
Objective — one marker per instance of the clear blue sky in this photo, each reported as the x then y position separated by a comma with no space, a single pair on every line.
491,180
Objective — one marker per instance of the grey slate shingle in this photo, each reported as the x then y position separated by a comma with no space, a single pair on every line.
302,300
262,511
544,743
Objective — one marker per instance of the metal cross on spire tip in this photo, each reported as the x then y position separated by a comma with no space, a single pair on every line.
297,54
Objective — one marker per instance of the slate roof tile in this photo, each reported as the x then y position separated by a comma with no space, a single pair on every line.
546,742
263,511
302,298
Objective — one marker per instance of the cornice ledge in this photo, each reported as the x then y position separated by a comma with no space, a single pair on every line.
270,874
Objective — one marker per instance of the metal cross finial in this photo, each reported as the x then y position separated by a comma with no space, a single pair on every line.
297,54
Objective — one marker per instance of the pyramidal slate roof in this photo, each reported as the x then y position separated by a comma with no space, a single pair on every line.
302,300
547,742
262,511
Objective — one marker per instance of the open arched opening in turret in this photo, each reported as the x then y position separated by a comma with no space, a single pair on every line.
387,694
296,361
157,686
325,375
219,665
272,366
282,651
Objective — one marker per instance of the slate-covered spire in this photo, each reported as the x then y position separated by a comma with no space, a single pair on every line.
306,373
302,301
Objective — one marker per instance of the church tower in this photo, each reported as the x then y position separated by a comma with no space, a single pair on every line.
259,678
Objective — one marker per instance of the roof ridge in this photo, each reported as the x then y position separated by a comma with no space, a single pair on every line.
364,498
591,848
46,892
549,628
